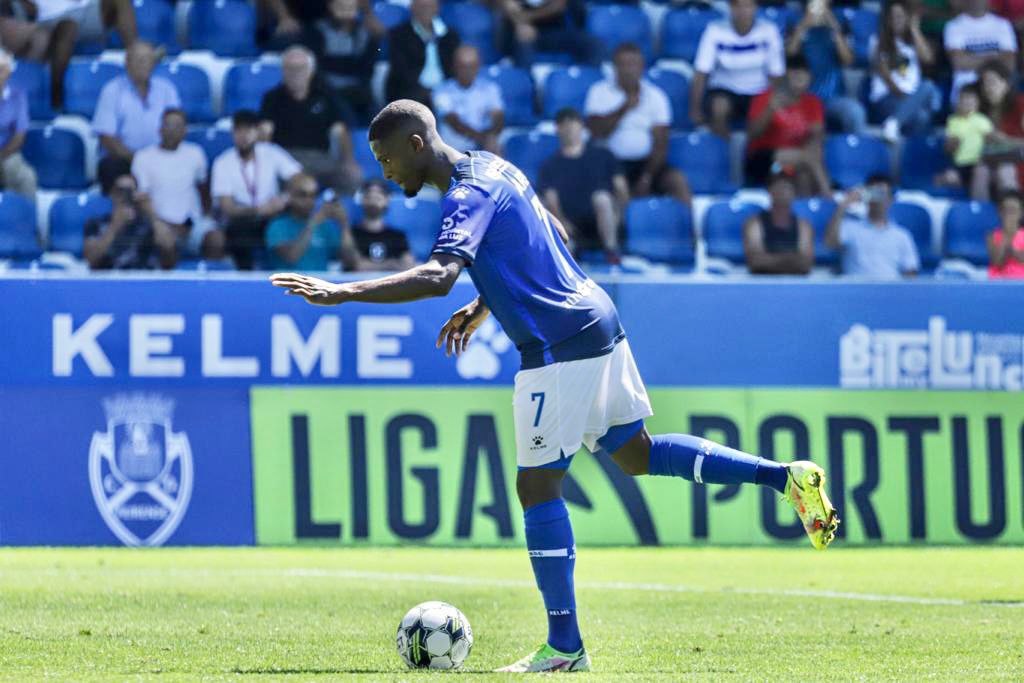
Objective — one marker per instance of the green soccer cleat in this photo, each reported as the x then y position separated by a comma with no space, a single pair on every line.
805,491
548,659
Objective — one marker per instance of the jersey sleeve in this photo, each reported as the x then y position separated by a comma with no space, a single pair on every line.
466,213
704,62
776,53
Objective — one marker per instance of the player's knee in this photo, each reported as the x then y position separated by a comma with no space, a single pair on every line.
536,486
634,456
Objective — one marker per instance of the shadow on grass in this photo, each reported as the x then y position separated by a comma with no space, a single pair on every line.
276,671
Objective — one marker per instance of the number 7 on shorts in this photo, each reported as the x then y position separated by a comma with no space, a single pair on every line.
537,396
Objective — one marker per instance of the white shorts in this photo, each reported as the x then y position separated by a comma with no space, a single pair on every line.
563,406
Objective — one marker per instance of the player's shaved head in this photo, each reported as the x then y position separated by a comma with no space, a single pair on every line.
406,116
404,139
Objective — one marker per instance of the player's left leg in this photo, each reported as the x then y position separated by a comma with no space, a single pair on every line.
705,462
552,549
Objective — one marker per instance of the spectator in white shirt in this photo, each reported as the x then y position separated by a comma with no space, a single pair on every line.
469,108
246,187
736,59
173,176
129,111
632,116
975,37
872,247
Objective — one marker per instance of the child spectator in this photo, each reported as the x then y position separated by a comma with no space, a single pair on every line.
967,132
786,126
1006,243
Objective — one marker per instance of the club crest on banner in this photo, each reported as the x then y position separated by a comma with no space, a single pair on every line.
140,469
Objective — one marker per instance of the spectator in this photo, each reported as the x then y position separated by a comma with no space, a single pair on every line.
1006,243
975,37
346,43
787,127
128,237
281,22
872,247
583,187
246,187
1013,12
305,238
469,108
173,176
129,111
899,94
819,38
775,241
372,244
633,115
301,116
15,173
967,133
421,54
1005,108
736,60
92,18
548,26
51,42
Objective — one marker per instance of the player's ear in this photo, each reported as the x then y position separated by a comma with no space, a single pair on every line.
416,142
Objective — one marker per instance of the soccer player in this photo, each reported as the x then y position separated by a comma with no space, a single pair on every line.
578,384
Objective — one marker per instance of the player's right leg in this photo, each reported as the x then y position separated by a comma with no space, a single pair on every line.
802,483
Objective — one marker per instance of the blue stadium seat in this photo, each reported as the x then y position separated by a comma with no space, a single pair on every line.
567,87
364,155
916,219
704,159
226,27
677,88
154,20
18,236
818,212
58,156
681,31
212,140
863,25
517,92
967,224
850,159
529,151
83,82
246,83
68,216
723,229
613,25
475,25
660,229
420,219
34,80
783,17
193,87
921,160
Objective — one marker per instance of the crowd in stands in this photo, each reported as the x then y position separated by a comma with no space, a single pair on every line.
788,138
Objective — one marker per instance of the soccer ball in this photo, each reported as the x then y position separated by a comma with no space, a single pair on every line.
434,635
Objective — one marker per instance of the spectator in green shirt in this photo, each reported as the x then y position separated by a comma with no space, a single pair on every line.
305,238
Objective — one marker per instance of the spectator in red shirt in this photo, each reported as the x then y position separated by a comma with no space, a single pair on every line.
1006,243
786,126
1005,108
1013,12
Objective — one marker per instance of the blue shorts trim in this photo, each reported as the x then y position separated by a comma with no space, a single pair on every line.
562,463
617,436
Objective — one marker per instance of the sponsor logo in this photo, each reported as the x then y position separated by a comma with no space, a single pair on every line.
140,469
482,359
935,358
538,443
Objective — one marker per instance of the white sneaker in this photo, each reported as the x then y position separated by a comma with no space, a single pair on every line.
891,130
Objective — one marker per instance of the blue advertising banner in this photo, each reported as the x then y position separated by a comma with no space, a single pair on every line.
236,332
98,466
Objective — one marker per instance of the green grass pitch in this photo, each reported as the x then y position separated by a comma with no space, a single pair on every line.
953,614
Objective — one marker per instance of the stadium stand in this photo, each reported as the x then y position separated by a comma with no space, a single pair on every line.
18,239
225,27
517,93
704,159
154,20
922,159
617,24
918,222
34,79
967,223
567,87
212,140
681,30
661,230
818,212
677,87
245,84
58,155
850,159
723,229
528,151
475,25
420,219
193,87
68,216
83,82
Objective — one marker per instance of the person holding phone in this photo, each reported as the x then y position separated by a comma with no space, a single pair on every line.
306,238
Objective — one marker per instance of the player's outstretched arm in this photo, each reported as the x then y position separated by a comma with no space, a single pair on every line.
460,327
430,279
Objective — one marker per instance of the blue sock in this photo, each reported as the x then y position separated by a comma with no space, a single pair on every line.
553,556
706,462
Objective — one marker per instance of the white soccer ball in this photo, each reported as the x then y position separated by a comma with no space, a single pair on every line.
434,635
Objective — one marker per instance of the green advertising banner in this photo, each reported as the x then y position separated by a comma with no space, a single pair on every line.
437,466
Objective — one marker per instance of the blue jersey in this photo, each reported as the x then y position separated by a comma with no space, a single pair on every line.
551,310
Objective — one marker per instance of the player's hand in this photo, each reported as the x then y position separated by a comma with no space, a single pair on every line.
312,289
455,333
